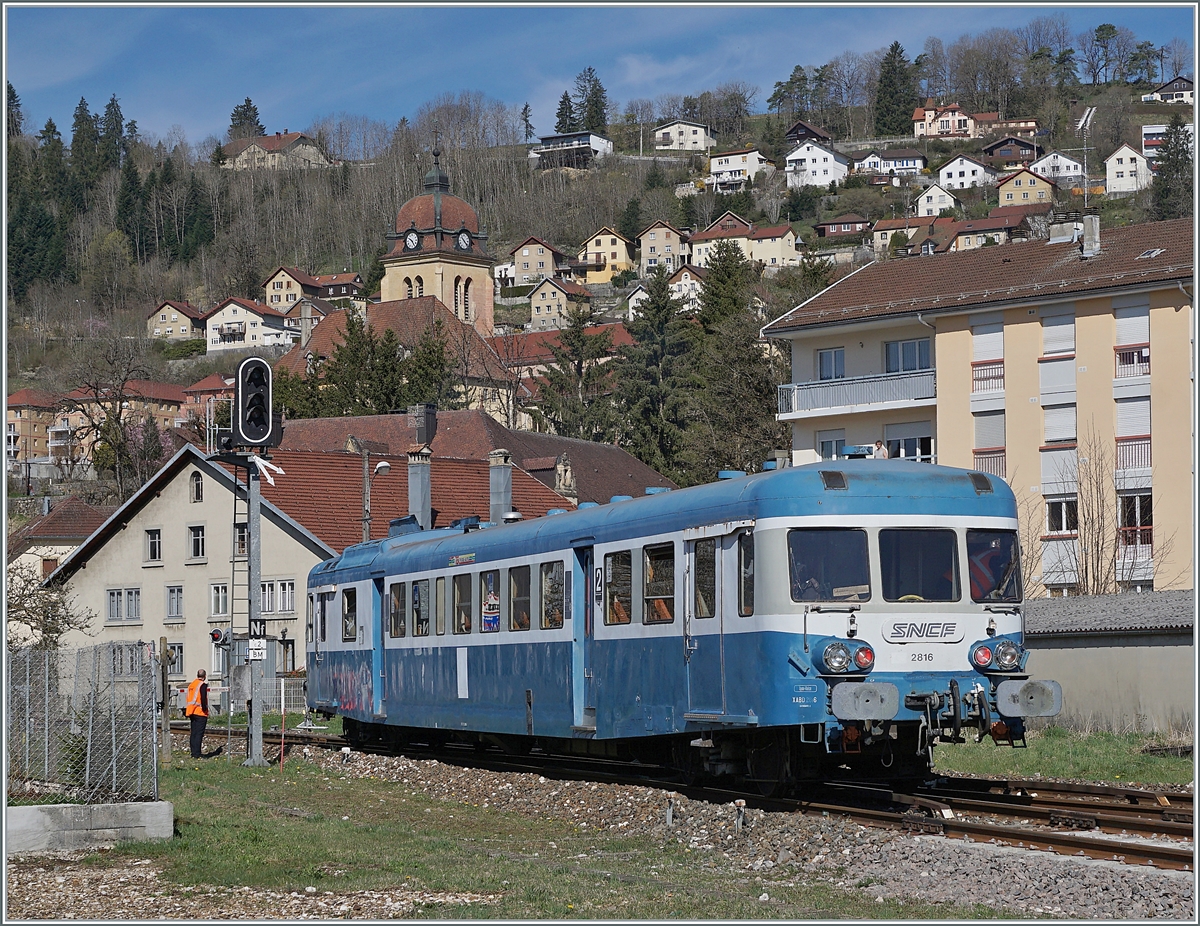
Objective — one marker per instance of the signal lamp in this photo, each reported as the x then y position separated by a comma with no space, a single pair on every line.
836,657
864,657
982,656
219,637
1007,654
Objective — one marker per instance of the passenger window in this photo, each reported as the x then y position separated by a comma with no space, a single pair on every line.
308,625
552,595
420,608
828,564
462,603
349,615
439,603
705,566
919,564
397,614
658,584
518,598
618,588
489,601
746,574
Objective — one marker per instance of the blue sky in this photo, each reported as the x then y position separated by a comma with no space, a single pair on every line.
189,66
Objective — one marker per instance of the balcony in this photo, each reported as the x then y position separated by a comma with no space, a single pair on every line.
1133,453
1132,360
858,394
987,376
991,462
1137,541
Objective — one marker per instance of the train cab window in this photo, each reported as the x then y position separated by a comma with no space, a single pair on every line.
324,604
420,608
658,583
993,563
746,573
349,615
618,588
829,564
518,598
553,597
489,601
705,570
462,603
919,564
397,612
439,604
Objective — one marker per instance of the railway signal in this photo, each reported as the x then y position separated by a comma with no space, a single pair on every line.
253,422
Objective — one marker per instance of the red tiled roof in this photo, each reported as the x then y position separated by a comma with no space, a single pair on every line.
728,225
258,308
295,273
213,382
538,241
1022,211
329,279
32,398
409,318
898,224
571,289
1004,178
1028,271
183,308
72,519
528,348
420,212
277,142
320,306
139,389
775,231
991,223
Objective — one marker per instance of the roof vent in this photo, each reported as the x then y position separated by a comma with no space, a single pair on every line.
466,524
981,483
657,490
583,505
619,498
398,527
730,474
512,517
833,478
556,511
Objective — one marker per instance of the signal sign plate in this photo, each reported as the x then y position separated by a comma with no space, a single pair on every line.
257,650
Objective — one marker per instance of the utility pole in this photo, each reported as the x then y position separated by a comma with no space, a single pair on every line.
256,642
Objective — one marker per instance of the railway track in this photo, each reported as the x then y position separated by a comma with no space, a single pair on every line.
1154,828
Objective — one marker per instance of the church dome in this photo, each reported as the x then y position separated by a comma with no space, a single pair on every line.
420,211
438,218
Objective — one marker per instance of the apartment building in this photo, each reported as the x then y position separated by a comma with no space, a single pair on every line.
29,420
1064,366
663,245
1126,171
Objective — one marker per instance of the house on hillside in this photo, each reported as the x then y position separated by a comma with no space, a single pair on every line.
1024,186
1061,365
727,227
1011,152
682,135
961,172
280,151
883,230
242,324
29,419
551,300
535,259
849,225
605,253
898,162
730,171
1126,172
43,542
570,149
208,391
773,247
286,285
1152,139
175,321
1060,169
1175,90
811,164
301,317
800,131
686,283
337,286
633,301
933,199
949,121
661,244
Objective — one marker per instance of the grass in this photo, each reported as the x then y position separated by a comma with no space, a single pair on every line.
1060,753
287,831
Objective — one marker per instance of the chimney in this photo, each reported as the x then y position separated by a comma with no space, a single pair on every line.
305,323
564,479
1065,227
420,497
424,419
499,484
1091,235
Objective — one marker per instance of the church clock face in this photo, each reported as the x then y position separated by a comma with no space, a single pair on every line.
411,240
464,241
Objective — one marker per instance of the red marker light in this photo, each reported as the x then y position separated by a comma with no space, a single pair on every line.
864,657
982,656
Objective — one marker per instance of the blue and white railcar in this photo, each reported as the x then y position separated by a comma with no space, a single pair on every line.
769,627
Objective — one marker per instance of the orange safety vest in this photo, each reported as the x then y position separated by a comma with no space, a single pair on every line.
194,705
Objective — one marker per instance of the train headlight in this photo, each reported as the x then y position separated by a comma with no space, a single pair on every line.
864,657
1007,654
836,657
982,656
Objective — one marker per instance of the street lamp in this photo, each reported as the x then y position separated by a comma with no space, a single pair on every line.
382,468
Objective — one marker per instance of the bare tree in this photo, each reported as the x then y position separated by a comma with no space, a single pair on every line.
846,77
934,69
36,616
1179,57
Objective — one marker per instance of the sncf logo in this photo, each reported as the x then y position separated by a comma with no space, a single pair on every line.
923,631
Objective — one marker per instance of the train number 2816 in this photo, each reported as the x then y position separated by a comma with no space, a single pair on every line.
922,657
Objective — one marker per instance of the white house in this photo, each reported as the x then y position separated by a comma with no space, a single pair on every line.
571,149
1126,171
683,136
1175,90
634,300
898,161
686,284
240,324
1058,167
1152,139
808,164
961,172
933,199
730,170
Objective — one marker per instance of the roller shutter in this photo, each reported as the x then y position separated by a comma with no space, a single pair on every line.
1133,325
1058,335
987,342
1133,417
1060,423
989,430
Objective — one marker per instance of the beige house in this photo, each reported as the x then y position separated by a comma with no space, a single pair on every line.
662,245
933,199
1024,187
773,247
274,152
728,227
1063,366
950,121
28,422
681,135
605,253
551,300
175,321
243,324
731,170
287,285
1126,171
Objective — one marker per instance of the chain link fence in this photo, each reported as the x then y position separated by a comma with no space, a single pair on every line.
80,724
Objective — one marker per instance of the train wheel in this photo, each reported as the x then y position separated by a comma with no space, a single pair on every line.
767,766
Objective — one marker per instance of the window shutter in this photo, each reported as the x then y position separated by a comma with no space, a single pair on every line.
987,342
1133,325
1058,335
989,430
1133,417
1060,423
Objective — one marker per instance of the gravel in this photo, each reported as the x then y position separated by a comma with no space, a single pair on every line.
775,849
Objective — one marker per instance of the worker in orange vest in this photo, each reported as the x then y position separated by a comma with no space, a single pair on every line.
197,711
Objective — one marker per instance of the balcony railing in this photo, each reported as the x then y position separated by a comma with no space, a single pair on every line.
991,462
987,376
861,390
1140,537
1132,360
1133,453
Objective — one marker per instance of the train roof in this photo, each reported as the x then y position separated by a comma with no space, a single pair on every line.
871,487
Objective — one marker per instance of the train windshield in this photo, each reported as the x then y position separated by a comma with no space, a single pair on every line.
919,564
829,564
994,565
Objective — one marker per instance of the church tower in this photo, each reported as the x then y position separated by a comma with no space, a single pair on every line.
440,251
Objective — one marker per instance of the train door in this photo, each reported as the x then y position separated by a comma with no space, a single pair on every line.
586,585
319,604
376,644
703,626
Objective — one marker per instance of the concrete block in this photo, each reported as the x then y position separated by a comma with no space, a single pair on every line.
64,827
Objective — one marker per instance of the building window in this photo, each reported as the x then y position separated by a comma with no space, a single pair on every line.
174,602
175,659
267,598
1062,516
219,598
831,364
241,539
154,545
287,596
196,541
830,444
197,488
903,356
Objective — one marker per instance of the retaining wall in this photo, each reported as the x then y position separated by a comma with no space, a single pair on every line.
65,827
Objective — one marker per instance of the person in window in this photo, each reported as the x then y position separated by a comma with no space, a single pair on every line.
804,585
880,452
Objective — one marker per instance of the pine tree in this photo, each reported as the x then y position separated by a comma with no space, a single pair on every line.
112,135
130,208
564,119
85,145
896,96
16,115
576,384
427,371
655,177
244,123
527,121
591,102
1172,190
726,290
217,158
630,222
